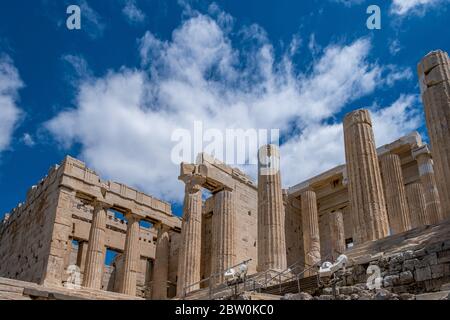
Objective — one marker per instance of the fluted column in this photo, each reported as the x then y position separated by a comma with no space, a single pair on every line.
191,236
131,256
223,233
95,257
428,180
396,203
337,234
310,225
161,267
434,75
271,215
417,204
364,179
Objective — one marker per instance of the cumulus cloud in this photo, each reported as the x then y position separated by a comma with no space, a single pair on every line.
10,83
132,12
124,121
405,7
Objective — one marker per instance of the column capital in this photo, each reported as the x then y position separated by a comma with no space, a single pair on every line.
130,216
194,183
161,227
421,151
99,205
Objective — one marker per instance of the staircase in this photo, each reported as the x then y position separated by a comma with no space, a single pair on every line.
308,284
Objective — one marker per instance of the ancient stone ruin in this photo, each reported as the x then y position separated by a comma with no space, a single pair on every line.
387,209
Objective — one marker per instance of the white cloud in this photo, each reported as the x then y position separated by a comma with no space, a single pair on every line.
419,7
124,121
10,83
91,21
132,12
349,3
28,140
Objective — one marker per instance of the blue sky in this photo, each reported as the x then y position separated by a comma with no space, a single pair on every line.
112,93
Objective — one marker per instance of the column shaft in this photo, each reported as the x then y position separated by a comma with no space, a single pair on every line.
337,234
394,187
95,257
131,256
223,233
417,205
434,75
364,179
189,259
310,224
161,268
271,215
428,180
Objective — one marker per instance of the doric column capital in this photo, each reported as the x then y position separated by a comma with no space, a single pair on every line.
131,217
100,205
423,151
361,116
161,227
194,183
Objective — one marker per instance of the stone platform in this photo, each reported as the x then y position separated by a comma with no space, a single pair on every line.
20,290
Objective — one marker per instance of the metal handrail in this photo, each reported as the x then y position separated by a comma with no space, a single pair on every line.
212,276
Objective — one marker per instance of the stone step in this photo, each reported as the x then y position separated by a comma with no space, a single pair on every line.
440,295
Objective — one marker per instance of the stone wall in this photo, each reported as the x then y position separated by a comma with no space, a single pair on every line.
417,262
26,233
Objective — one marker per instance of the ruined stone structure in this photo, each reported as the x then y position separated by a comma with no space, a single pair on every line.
212,240
68,220
387,205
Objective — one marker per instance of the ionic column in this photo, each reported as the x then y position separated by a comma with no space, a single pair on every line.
337,234
189,258
95,257
161,266
434,75
223,233
428,180
131,256
310,225
417,204
271,231
364,179
397,206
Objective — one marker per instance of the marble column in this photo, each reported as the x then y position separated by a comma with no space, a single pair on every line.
396,203
417,204
434,75
337,234
95,256
223,234
131,256
189,259
310,225
161,266
370,221
271,214
428,180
